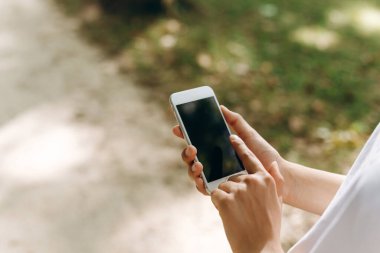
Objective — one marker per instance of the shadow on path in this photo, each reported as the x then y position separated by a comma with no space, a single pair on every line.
86,163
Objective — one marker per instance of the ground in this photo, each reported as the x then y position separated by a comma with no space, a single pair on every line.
87,162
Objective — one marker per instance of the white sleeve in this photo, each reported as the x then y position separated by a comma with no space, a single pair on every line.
351,223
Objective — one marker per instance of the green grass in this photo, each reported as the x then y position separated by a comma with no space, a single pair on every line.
246,51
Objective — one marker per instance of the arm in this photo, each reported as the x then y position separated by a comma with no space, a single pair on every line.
309,189
305,188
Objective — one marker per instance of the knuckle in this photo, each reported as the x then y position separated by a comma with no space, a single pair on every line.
239,192
268,180
238,116
246,156
224,202
250,180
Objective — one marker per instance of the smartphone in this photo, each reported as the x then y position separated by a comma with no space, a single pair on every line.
203,126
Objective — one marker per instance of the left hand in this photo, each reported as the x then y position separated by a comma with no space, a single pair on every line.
250,205
257,144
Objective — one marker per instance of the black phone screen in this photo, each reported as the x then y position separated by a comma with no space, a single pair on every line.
208,132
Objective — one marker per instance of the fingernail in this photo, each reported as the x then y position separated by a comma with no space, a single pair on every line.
234,137
188,152
193,168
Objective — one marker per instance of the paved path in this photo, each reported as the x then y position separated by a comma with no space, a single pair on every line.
87,163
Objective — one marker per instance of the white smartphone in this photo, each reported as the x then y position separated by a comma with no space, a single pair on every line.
203,126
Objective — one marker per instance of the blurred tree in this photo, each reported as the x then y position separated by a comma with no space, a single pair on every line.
141,7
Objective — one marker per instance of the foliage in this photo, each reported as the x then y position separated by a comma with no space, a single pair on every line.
302,72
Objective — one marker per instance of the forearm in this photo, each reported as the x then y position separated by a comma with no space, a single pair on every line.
309,189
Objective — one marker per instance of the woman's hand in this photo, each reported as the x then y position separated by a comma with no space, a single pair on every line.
194,168
305,188
250,205
261,148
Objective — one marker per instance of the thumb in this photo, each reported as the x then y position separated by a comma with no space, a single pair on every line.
250,161
274,171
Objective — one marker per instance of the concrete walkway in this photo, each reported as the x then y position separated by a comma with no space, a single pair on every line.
87,163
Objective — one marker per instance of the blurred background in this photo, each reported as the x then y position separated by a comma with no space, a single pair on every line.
87,159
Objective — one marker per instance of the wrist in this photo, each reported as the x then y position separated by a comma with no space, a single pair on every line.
285,170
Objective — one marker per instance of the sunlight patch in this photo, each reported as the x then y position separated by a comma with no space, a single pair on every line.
316,37
364,18
44,143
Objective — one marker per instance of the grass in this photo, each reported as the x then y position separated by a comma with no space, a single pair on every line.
302,72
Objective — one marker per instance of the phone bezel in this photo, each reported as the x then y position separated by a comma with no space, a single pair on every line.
190,96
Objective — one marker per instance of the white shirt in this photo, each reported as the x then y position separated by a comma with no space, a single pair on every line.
351,222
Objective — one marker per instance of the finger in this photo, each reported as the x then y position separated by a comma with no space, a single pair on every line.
177,131
247,133
237,123
237,179
188,154
229,186
200,186
250,161
218,197
274,171
195,170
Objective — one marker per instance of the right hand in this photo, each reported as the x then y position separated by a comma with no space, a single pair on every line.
250,205
260,147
